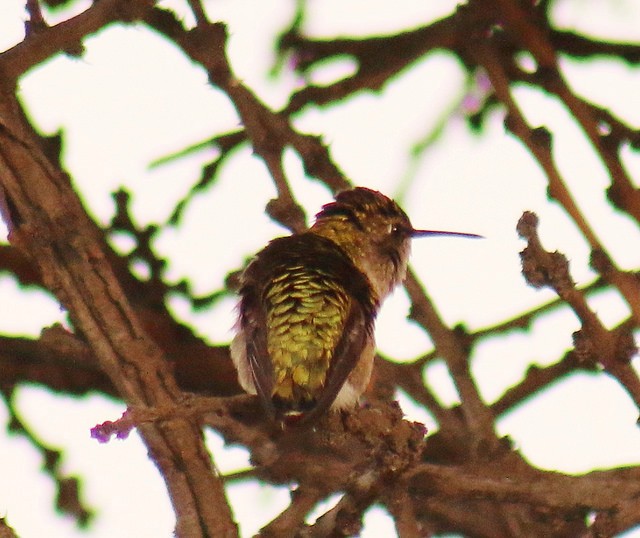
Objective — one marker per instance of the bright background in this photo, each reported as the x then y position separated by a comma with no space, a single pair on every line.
133,98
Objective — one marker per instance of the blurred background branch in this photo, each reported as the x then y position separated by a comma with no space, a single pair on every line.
123,337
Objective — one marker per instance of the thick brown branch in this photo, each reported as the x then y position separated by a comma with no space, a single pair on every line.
49,222
67,35
57,360
584,47
379,58
547,489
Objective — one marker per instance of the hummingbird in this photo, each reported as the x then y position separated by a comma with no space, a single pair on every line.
308,303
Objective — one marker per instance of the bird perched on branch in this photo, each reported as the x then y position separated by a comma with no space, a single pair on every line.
308,304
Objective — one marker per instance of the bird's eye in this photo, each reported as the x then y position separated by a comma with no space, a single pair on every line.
395,229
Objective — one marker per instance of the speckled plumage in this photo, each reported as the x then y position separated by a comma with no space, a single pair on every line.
299,295
308,303
306,311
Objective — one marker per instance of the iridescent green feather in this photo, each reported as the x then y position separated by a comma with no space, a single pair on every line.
305,311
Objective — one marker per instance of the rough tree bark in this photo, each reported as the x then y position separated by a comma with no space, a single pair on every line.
125,343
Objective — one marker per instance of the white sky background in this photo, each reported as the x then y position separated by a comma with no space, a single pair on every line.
132,98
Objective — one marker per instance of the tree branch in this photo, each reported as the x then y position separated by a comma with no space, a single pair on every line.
67,35
48,222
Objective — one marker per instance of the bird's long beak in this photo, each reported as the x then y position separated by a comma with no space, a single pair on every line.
423,233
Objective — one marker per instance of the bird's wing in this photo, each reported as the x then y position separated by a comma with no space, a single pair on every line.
293,288
345,357
253,319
